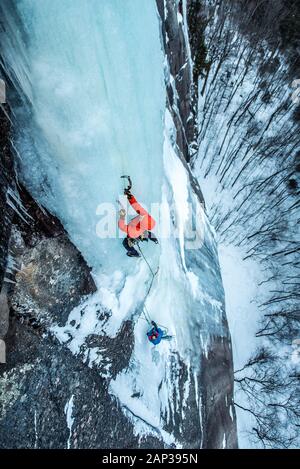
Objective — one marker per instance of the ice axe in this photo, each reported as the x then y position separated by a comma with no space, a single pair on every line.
129,182
126,189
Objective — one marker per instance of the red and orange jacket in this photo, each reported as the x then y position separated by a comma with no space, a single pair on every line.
137,226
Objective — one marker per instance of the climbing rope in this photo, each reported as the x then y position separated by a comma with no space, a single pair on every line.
146,315
150,268
152,273
148,319
145,311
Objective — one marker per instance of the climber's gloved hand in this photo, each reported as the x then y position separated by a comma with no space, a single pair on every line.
128,193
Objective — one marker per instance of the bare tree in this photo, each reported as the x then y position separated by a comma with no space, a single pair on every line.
249,143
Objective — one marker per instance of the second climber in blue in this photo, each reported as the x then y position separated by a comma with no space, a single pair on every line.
155,335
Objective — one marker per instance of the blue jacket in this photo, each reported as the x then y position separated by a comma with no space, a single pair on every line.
158,333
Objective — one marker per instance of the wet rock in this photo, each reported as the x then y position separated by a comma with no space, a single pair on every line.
117,351
4,313
6,181
219,419
180,88
52,280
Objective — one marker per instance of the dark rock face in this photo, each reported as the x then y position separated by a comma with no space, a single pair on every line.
216,381
36,221
180,89
6,181
188,429
36,384
180,86
52,280
210,420
117,350
48,275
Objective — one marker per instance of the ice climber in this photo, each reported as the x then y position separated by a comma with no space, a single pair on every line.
138,229
155,335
